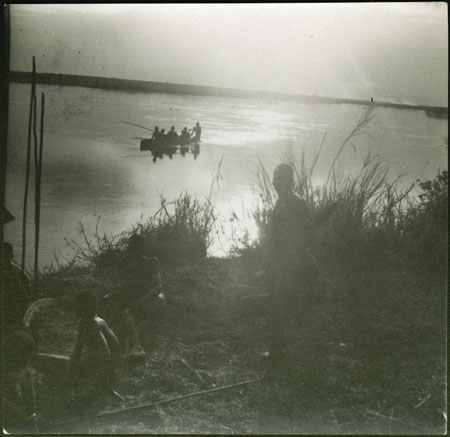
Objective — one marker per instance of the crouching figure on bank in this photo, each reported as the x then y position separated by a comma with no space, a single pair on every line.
91,368
138,299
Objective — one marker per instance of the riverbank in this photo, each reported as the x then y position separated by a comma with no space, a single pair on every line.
386,358
369,360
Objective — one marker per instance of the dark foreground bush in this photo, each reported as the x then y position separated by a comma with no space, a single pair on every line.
425,227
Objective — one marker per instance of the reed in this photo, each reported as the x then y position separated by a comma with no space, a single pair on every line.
368,196
364,120
27,171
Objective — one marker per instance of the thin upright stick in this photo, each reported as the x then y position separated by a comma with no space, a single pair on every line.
27,174
36,175
38,191
36,163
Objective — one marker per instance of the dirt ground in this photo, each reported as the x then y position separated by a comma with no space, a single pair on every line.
347,371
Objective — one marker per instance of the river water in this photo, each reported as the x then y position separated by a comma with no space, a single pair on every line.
93,168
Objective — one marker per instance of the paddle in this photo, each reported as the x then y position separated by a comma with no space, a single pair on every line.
137,125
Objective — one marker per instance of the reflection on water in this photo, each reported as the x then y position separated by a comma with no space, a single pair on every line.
170,151
93,167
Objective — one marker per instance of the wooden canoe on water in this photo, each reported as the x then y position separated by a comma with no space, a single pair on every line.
150,144
437,112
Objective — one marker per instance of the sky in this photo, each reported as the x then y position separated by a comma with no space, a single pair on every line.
396,52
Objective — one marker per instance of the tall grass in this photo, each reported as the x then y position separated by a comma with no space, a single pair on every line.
368,195
374,214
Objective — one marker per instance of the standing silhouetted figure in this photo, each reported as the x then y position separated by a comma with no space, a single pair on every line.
197,130
291,271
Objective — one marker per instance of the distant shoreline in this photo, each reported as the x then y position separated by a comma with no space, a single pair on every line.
171,88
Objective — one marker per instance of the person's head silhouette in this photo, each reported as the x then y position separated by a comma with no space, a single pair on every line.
283,179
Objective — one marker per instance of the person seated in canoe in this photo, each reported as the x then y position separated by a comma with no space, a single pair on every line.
172,137
197,131
156,134
91,368
162,141
185,138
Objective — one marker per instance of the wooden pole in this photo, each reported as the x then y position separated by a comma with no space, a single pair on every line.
5,216
153,404
38,191
27,174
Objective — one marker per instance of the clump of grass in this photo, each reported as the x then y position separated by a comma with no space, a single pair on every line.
180,231
98,251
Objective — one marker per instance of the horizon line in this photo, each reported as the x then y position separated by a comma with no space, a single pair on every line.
255,93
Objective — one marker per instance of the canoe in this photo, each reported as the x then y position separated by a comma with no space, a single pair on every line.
150,144
437,112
